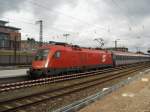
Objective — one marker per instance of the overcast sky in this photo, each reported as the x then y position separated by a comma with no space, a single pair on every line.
84,20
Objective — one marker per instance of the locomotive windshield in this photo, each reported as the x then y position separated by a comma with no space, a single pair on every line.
41,54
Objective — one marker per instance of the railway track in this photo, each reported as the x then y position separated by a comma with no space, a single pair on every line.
27,101
37,82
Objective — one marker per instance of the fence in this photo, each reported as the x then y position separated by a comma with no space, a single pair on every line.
19,60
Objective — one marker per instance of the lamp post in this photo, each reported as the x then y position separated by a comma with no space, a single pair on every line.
116,42
66,35
15,49
41,32
148,51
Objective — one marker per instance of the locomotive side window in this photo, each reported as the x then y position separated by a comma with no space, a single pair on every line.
57,54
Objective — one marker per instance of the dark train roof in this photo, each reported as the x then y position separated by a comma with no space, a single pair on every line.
128,53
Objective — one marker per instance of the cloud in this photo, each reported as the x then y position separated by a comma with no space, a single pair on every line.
133,10
10,5
49,11
128,20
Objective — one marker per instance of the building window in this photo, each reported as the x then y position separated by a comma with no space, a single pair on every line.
4,42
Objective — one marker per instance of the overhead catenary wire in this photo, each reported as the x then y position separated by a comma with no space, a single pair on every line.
125,14
30,22
72,17
10,20
122,11
61,13
138,34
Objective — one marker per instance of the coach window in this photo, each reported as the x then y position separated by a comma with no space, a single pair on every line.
120,57
117,57
57,54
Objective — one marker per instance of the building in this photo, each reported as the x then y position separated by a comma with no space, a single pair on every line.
10,37
29,46
123,49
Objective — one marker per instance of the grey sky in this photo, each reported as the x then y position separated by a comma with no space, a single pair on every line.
127,20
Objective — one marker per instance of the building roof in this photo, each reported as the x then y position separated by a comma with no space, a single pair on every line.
118,49
1,21
2,24
11,27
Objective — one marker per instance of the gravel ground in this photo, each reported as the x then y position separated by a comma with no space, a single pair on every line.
54,104
134,97
58,102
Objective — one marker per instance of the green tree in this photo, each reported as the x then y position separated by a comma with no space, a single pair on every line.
31,42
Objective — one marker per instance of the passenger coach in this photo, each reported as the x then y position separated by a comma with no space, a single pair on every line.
124,58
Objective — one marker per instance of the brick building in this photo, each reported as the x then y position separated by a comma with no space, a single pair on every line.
10,37
29,45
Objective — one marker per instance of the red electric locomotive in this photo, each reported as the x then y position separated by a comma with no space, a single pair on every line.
57,59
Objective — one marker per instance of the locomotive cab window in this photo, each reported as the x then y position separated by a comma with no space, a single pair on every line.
42,54
57,54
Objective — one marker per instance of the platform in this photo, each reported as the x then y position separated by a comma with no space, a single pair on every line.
13,73
134,97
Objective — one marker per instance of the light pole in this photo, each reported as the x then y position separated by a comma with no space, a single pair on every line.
116,41
137,49
66,35
15,49
41,32
148,51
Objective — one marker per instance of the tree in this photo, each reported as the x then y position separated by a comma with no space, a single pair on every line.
31,42
100,41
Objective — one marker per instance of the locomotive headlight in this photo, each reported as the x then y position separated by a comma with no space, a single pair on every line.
46,64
